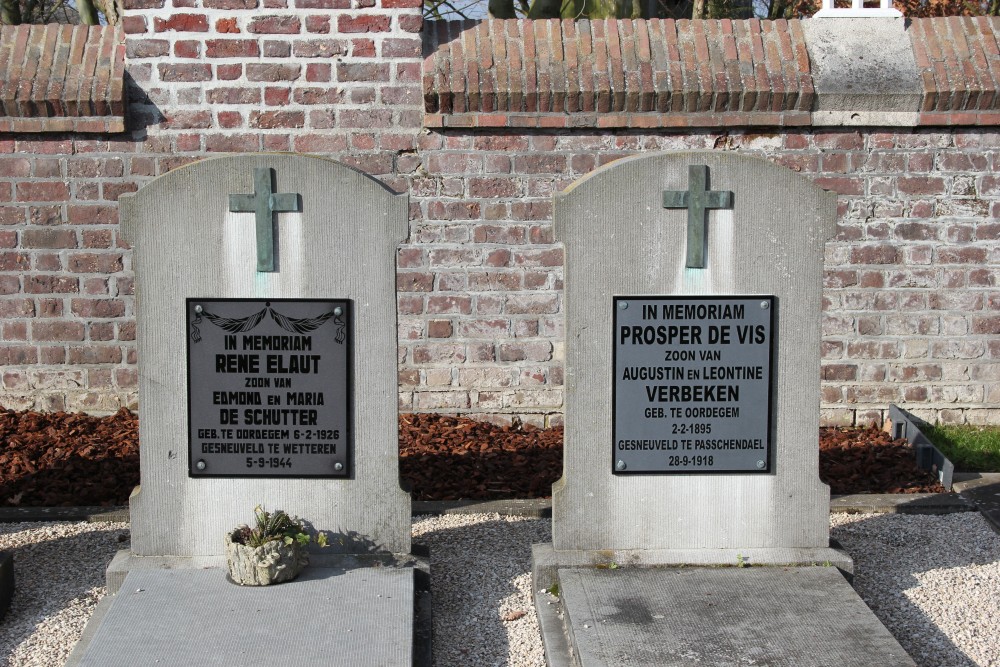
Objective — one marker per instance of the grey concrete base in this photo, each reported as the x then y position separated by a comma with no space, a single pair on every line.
89,514
983,490
546,561
780,617
360,616
901,503
6,582
125,561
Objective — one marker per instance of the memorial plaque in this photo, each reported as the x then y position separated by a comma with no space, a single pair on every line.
269,390
692,385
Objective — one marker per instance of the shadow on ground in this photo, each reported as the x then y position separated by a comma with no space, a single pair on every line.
474,569
49,574
894,555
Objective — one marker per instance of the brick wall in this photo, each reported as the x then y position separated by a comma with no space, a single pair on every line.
911,299
912,306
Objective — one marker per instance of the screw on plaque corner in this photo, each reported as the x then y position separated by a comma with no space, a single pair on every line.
760,464
620,465
338,466
201,465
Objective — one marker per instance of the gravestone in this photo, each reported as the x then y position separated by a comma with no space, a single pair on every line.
693,303
266,335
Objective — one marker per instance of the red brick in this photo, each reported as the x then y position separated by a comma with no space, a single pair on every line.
370,72
401,48
57,331
272,72
411,22
93,354
275,25
133,25
534,351
230,4
318,24
439,329
276,97
181,22
323,4
187,48
915,231
268,120
319,48
410,281
363,48
365,118
232,48
14,261
15,355
921,185
146,48
438,353
236,143
228,96
228,71
42,191
274,48
185,73
531,304
318,72
102,308
874,254
224,26
363,23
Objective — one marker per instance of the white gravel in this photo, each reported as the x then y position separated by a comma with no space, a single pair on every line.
58,580
933,580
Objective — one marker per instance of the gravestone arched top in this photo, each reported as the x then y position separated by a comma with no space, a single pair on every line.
664,459
245,233
630,175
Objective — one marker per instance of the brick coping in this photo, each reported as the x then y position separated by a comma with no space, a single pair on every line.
61,78
662,73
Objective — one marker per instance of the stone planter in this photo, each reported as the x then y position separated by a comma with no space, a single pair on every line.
271,563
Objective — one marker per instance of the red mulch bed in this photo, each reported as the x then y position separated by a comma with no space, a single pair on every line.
60,459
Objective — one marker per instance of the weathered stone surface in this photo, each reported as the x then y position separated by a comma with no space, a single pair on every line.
342,245
270,563
620,241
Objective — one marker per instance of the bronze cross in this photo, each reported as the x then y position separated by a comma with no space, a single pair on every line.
265,203
697,199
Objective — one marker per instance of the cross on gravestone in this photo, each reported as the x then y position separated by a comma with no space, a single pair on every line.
698,199
265,203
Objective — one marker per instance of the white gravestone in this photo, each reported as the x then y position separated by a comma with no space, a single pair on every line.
266,336
693,305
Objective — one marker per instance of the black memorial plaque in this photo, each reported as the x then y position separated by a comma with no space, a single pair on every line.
692,384
269,388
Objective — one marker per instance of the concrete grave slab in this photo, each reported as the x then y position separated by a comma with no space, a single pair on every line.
298,243
737,274
179,618
719,617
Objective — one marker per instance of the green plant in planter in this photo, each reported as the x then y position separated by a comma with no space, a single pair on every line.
275,525
271,552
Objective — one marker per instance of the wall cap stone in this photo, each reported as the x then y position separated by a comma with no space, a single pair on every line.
662,73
